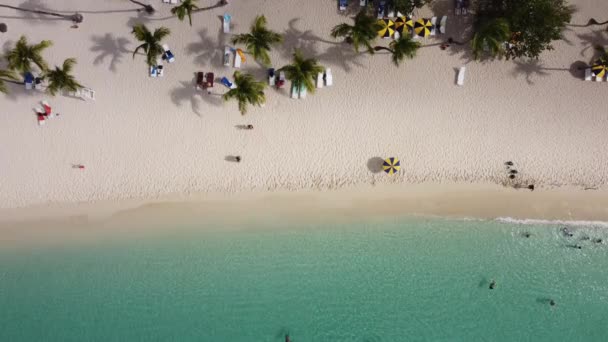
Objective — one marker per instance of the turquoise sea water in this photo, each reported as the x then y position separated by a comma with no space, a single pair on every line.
397,280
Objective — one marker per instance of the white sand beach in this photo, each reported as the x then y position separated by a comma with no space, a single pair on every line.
146,139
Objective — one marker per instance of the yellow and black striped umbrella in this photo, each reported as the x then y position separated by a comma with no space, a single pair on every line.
391,165
599,69
386,30
422,27
404,24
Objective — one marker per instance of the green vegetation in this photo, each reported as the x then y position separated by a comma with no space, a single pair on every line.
401,48
259,41
247,91
533,24
490,37
362,33
4,75
61,78
151,42
301,72
185,9
22,56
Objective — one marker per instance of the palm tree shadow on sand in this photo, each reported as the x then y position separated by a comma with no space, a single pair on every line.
533,68
205,50
188,92
109,46
34,18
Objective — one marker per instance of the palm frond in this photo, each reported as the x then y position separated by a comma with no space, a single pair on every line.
247,91
140,31
301,71
403,47
161,33
259,41
341,30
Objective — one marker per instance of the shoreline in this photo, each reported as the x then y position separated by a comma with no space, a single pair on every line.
452,201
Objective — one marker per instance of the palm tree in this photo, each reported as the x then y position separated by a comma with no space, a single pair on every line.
76,17
185,9
491,36
247,91
400,48
151,41
22,56
4,74
60,78
363,32
259,40
301,72
603,53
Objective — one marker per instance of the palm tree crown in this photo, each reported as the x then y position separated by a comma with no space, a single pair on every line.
22,56
363,32
491,36
301,71
400,48
185,9
151,41
4,74
61,78
259,40
247,91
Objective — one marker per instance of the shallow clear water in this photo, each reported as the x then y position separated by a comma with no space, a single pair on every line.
402,280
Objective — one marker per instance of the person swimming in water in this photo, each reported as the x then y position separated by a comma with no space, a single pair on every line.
552,302
575,246
492,284
526,234
287,339
566,232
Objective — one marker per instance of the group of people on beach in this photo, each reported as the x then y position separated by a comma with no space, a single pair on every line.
512,174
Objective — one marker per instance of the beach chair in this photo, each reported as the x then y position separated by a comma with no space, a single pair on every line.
48,111
362,3
271,77
460,80
458,9
598,79
329,79
41,119
168,55
434,27
303,91
227,20
225,81
294,91
342,4
281,81
588,74
200,80
160,70
320,80
227,53
87,94
442,23
173,1
37,83
237,61
391,12
465,7
153,72
209,78
28,80
381,9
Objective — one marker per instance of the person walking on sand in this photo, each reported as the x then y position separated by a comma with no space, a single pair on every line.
249,126
238,159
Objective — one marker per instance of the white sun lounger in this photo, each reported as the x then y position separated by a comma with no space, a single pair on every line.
434,27
227,53
173,1
362,3
329,79
303,91
294,91
588,74
461,72
598,79
166,1
153,71
237,60
320,80
227,19
442,23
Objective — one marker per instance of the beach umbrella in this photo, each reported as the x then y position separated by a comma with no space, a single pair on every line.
599,69
391,165
386,30
422,27
403,23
